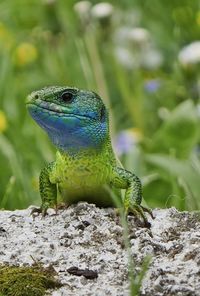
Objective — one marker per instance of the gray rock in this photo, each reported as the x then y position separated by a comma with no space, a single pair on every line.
88,238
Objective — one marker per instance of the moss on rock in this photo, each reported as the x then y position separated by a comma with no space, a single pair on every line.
26,281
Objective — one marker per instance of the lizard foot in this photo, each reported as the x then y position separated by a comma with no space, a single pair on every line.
43,210
38,211
139,211
61,206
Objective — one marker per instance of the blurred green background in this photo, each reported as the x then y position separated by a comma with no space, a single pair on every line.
142,57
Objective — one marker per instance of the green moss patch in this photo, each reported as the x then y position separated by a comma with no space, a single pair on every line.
26,281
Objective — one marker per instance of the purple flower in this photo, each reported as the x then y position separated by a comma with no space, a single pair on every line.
152,85
126,140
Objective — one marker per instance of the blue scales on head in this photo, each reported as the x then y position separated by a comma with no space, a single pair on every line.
71,117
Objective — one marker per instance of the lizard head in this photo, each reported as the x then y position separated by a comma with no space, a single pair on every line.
73,118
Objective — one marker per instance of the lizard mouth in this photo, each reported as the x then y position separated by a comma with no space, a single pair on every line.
56,110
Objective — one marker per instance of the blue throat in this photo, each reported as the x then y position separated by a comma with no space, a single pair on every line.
71,133
72,140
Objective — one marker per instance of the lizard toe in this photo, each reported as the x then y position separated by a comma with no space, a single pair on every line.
139,212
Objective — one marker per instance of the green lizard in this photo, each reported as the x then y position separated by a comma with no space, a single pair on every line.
85,168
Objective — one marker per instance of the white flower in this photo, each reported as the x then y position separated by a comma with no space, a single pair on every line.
124,57
151,59
132,36
138,36
190,54
121,35
102,10
134,49
82,8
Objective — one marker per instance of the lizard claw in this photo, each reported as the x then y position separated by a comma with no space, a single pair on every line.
139,211
42,210
149,211
35,210
39,211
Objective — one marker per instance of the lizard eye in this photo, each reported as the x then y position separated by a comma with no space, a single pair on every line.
67,97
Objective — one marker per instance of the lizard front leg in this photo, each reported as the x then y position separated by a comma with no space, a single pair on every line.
124,179
48,190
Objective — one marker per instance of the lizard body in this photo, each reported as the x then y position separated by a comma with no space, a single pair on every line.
85,168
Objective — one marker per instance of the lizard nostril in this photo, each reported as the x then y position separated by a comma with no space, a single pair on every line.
36,96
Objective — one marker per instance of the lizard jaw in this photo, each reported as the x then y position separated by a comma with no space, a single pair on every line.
54,110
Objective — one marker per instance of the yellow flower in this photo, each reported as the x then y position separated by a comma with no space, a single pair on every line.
3,122
25,54
136,133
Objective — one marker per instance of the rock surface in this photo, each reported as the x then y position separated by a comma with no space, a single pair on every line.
86,237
